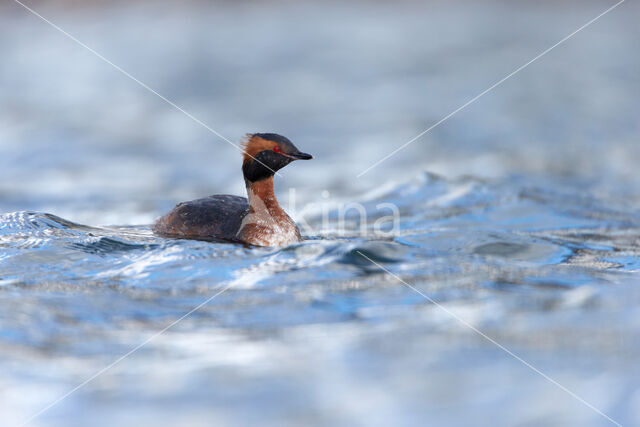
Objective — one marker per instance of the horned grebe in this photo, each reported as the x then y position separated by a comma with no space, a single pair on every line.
258,221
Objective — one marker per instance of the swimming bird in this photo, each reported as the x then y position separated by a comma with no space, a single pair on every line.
258,220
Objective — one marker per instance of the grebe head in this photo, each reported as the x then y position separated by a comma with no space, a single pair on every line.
265,153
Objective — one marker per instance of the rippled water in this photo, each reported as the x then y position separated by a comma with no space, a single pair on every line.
529,229
317,333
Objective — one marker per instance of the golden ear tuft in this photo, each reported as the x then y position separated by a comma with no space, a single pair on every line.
253,144
245,142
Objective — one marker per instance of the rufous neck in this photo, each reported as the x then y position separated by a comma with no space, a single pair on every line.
261,194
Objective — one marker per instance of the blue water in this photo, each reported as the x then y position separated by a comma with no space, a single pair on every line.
557,286
520,216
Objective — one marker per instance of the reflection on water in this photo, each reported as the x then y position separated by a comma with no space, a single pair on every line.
317,317
530,230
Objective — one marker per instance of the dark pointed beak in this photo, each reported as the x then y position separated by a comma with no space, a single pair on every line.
301,156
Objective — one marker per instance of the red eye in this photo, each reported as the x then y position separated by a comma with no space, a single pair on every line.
277,149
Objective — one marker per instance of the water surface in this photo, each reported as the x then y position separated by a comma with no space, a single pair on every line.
520,216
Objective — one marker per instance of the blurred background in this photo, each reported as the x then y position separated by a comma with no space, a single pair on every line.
348,83
522,211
